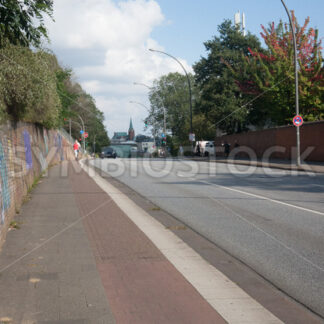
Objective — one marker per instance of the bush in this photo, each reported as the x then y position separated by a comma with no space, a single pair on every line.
28,86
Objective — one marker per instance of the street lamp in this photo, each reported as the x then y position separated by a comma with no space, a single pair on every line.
189,84
72,121
143,84
164,116
94,144
141,104
293,30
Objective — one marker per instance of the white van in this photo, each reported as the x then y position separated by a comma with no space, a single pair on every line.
207,148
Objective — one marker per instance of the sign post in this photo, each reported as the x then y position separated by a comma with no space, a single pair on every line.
298,121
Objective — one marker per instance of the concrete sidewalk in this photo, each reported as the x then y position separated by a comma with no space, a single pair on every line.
77,258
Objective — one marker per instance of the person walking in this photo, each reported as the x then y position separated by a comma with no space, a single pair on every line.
76,147
227,147
181,150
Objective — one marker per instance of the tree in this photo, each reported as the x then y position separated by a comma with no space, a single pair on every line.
18,18
220,97
272,72
170,92
203,128
28,87
79,103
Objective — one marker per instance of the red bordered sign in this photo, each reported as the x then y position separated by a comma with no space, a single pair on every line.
298,120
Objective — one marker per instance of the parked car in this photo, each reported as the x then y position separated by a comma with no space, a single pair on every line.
108,153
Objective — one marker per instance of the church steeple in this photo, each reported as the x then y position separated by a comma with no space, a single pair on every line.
131,131
130,125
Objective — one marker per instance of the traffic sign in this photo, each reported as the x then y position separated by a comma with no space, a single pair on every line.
85,135
191,137
81,131
163,135
298,120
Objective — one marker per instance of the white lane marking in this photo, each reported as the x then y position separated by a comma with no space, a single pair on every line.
168,172
267,234
262,197
229,300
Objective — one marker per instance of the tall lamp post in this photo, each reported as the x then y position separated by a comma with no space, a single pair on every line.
293,30
164,116
189,84
94,144
72,121
141,104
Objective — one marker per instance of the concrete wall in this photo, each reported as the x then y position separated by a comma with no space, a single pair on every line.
311,135
26,151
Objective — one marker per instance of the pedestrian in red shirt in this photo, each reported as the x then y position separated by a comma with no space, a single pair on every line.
76,147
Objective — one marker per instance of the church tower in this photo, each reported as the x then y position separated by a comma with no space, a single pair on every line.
131,132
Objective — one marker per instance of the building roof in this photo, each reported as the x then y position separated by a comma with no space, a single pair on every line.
120,134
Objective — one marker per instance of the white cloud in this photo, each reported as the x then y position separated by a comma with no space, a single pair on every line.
119,32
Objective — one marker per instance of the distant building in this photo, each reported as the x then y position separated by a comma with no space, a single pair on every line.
122,137
145,144
119,137
131,131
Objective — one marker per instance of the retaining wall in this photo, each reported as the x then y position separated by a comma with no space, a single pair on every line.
311,135
26,151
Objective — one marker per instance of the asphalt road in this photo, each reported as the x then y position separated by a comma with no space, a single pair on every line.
272,220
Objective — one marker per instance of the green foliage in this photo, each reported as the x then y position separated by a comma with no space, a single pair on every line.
67,96
171,93
18,19
220,98
33,86
272,73
203,128
76,102
28,86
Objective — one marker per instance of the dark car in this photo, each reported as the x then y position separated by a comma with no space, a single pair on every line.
108,153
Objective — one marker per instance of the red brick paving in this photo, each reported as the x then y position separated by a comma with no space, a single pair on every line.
142,286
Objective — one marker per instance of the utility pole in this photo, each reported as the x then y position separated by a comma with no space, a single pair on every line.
94,144
293,30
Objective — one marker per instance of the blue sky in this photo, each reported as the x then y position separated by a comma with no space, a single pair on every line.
106,43
189,23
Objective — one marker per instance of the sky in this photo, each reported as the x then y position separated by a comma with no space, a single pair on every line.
106,43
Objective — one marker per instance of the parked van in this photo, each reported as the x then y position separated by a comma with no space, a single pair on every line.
206,148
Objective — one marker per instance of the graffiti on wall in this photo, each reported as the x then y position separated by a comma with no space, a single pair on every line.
45,141
4,184
28,151
61,148
41,159
59,145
